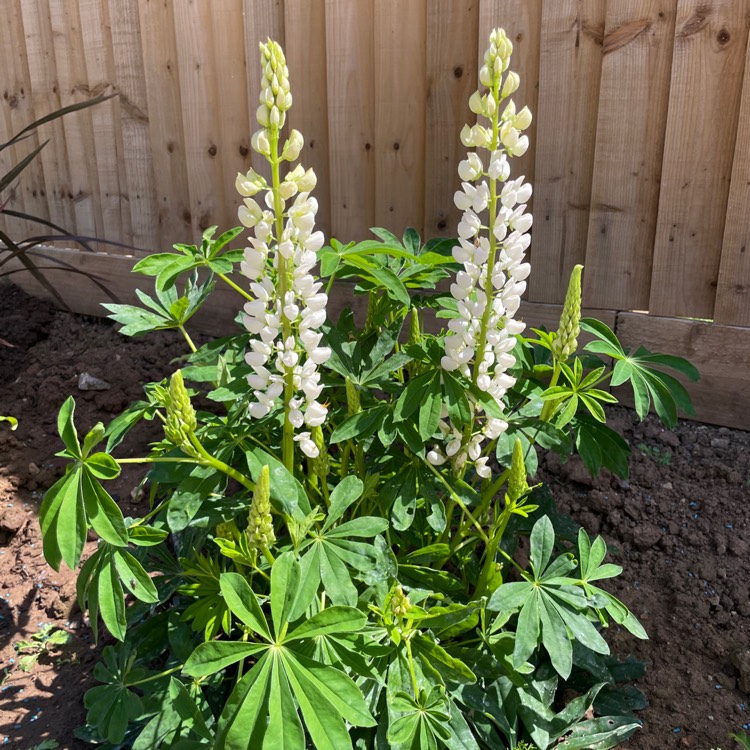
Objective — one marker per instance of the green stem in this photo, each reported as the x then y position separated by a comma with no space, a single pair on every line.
414,683
457,500
549,406
221,466
156,460
287,440
156,676
490,552
236,288
188,339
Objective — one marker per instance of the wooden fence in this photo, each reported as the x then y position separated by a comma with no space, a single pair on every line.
640,152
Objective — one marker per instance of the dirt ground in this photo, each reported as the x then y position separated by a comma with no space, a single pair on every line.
680,527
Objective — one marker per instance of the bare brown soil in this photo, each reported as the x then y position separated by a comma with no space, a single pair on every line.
680,527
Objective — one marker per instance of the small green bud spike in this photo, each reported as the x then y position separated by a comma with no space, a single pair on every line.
260,534
180,404
400,603
517,484
352,398
566,340
321,464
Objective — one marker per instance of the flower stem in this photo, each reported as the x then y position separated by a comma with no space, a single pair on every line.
188,339
156,676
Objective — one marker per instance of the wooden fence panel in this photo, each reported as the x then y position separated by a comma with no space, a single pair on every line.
733,292
79,134
709,56
569,71
451,79
305,25
45,98
164,108
136,142
637,58
30,194
399,103
107,143
351,118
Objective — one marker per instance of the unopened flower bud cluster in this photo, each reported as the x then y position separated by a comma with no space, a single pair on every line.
285,325
493,238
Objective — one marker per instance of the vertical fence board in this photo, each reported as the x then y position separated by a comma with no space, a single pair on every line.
194,29
305,35
131,86
522,21
79,134
264,19
733,291
451,67
107,144
709,56
46,99
637,59
570,62
167,141
399,114
231,73
351,122
29,193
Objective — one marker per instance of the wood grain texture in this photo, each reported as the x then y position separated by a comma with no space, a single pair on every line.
305,33
79,134
45,98
29,194
351,118
569,72
522,21
633,96
137,164
231,102
194,27
709,58
399,114
721,353
733,291
164,107
451,68
107,143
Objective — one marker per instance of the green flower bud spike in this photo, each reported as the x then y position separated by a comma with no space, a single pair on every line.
566,340
517,484
400,603
260,534
181,422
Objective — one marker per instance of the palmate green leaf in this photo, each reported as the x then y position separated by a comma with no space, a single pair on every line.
112,705
103,513
335,620
243,603
336,578
599,445
213,656
63,521
436,659
360,425
284,727
111,600
285,578
346,492
644,370
134,577
602,733
66,428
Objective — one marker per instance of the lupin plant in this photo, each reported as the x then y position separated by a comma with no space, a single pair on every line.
348,550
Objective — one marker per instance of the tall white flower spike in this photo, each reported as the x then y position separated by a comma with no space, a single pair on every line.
493,237
288,306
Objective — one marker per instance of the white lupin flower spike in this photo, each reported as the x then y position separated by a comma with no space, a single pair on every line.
488,290
288,306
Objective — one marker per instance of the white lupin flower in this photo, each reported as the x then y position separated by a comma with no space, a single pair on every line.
488,289
288,306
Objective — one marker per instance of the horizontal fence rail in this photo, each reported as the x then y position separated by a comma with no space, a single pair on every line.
640,154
